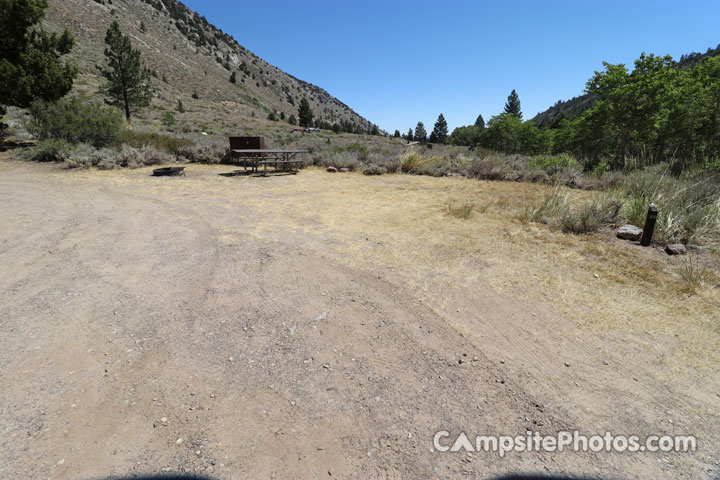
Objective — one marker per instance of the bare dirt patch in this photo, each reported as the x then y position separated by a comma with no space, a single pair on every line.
317,324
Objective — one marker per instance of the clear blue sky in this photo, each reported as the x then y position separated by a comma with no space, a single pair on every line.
397,63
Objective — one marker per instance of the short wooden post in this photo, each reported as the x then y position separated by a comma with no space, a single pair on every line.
649,225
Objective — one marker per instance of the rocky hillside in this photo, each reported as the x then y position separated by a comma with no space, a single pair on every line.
577,105
190,58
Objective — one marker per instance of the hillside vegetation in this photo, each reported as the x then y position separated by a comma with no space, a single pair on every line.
577,105
189,57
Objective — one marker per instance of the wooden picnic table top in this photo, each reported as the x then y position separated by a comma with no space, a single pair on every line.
257,150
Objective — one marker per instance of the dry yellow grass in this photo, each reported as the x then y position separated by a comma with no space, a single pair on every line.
398,225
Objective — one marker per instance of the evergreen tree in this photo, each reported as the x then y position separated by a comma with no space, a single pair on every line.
292,120
440,130
3,126
397,134
30,66
480,122
420,133
512,106
233,78
305,113
128,80
410,136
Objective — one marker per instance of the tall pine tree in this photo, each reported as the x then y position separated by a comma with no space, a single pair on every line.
480,122
30,67
440,130
305,113
512,106
420,133
410,135
128,80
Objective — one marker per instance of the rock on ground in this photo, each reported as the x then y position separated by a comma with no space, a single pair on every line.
629,232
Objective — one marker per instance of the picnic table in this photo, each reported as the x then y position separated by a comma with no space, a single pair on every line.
253,158
251,152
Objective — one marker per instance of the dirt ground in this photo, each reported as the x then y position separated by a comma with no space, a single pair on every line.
327,325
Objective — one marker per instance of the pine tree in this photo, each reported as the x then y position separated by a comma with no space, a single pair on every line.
420,133
292,120
396,134
440,130
305,113
3,126
410,135
30,67
128,80
512,106
480,122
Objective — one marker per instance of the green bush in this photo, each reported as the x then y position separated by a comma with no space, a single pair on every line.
51,150
76,122
553,163
593,216
167,143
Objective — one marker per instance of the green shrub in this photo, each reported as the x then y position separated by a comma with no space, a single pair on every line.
553,163
168,119
167,143
76,122
593,216
51,150
554,204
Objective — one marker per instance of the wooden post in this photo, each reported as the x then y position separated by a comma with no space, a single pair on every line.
649,225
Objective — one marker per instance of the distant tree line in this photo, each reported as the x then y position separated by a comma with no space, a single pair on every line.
653,113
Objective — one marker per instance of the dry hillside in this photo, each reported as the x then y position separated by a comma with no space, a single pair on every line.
189,55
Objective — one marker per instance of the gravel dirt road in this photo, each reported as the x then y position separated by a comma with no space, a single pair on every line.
260,328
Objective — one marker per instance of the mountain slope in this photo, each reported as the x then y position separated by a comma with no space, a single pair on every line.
577,105
189,55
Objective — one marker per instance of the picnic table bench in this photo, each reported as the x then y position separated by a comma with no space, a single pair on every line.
251,153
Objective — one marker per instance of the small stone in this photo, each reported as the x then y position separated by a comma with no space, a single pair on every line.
61,461
231,359
320,317
461,361
332,169
629,232
292,403
567,364
163,420
676,249
605,362
595,275
475,358
179,441
292,330
326,366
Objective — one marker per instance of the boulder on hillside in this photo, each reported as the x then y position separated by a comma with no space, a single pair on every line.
332,169
629,232
676,249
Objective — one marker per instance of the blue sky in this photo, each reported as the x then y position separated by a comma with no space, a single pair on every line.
397,63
